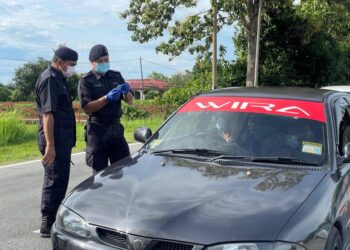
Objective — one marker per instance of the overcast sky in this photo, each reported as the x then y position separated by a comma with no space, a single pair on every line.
33,28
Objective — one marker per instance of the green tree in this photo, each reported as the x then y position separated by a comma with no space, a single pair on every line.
301,45
158,76
26,76
149,19
73,86
178,95
5,93
181,79
25,79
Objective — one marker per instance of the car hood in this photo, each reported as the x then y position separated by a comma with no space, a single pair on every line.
193,201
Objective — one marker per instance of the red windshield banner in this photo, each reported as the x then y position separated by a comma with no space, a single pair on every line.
284,107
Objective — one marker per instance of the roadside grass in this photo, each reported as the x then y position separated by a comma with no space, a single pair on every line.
18,140
22,152
13,130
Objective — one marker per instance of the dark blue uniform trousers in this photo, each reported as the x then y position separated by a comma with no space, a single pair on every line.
105,142
55,182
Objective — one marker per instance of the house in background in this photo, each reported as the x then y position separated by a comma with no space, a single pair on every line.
157,86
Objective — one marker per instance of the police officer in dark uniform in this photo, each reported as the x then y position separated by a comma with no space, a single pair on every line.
101,92
56,135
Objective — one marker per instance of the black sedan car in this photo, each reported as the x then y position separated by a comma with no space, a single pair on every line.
233,169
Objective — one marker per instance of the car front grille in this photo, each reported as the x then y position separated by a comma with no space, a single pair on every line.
122,240
113,237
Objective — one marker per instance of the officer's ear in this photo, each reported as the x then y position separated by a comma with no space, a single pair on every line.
93,64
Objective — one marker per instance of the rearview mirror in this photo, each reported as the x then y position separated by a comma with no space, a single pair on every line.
142,134
347,152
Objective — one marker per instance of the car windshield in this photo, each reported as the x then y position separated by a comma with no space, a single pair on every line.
244,134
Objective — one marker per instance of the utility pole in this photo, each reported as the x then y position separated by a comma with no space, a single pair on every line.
214,60
257,50
142,97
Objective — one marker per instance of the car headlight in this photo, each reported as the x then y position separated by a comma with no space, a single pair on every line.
72,222
257,246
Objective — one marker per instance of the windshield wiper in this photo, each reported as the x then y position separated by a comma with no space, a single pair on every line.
281,160
199,151
284,160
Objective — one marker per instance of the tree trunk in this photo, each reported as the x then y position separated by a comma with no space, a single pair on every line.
251,58
251,38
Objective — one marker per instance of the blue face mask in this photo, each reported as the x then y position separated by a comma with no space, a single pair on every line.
102,68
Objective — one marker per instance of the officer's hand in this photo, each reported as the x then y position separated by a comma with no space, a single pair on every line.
125,88
50,155
114,94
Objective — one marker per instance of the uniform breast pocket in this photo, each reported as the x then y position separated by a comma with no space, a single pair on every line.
99,92
64,98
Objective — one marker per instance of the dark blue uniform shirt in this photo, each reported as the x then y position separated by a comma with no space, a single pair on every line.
52,95
90,88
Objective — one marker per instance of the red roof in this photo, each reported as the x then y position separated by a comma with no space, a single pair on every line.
148,84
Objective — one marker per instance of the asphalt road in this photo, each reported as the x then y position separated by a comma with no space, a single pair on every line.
20,195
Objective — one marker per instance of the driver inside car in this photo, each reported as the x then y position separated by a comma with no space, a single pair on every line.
293,141
229,132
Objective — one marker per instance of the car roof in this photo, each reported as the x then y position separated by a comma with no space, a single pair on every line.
294,93
341,88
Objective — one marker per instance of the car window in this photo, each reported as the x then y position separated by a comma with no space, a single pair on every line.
255,134
342,118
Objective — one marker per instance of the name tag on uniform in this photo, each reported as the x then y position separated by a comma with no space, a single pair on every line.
98,85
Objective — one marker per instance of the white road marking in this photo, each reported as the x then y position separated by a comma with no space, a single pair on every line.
36,231
34,161
28,162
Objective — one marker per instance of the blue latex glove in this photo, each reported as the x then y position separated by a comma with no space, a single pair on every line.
114,94
125,88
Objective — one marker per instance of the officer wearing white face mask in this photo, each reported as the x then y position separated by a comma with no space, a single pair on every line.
56,135
101,93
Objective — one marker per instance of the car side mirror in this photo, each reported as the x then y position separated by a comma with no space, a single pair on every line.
142,134
347,152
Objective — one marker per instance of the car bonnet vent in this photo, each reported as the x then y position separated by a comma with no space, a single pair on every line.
113,237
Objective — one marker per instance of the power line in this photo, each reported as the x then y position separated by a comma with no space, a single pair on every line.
86,63
199,13
161,65
26,60
38,3
129,60
15,59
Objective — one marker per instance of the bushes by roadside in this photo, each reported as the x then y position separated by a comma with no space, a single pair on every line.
18,139
15,131
132,113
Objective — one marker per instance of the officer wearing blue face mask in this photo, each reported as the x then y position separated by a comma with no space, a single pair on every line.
101,92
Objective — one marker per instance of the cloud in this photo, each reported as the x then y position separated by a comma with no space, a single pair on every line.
30,29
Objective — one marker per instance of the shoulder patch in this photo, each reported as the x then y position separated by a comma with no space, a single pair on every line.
87,75
114,73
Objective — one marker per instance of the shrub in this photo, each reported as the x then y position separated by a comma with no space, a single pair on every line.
180,94
132,113
151,95
13,130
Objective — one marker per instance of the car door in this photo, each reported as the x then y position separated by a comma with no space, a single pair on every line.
341,124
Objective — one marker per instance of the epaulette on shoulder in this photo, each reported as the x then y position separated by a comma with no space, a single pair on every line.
47,74
87,75
114,73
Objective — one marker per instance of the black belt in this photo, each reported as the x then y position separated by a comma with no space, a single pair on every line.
104,120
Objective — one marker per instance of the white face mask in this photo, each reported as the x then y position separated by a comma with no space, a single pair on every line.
70,71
